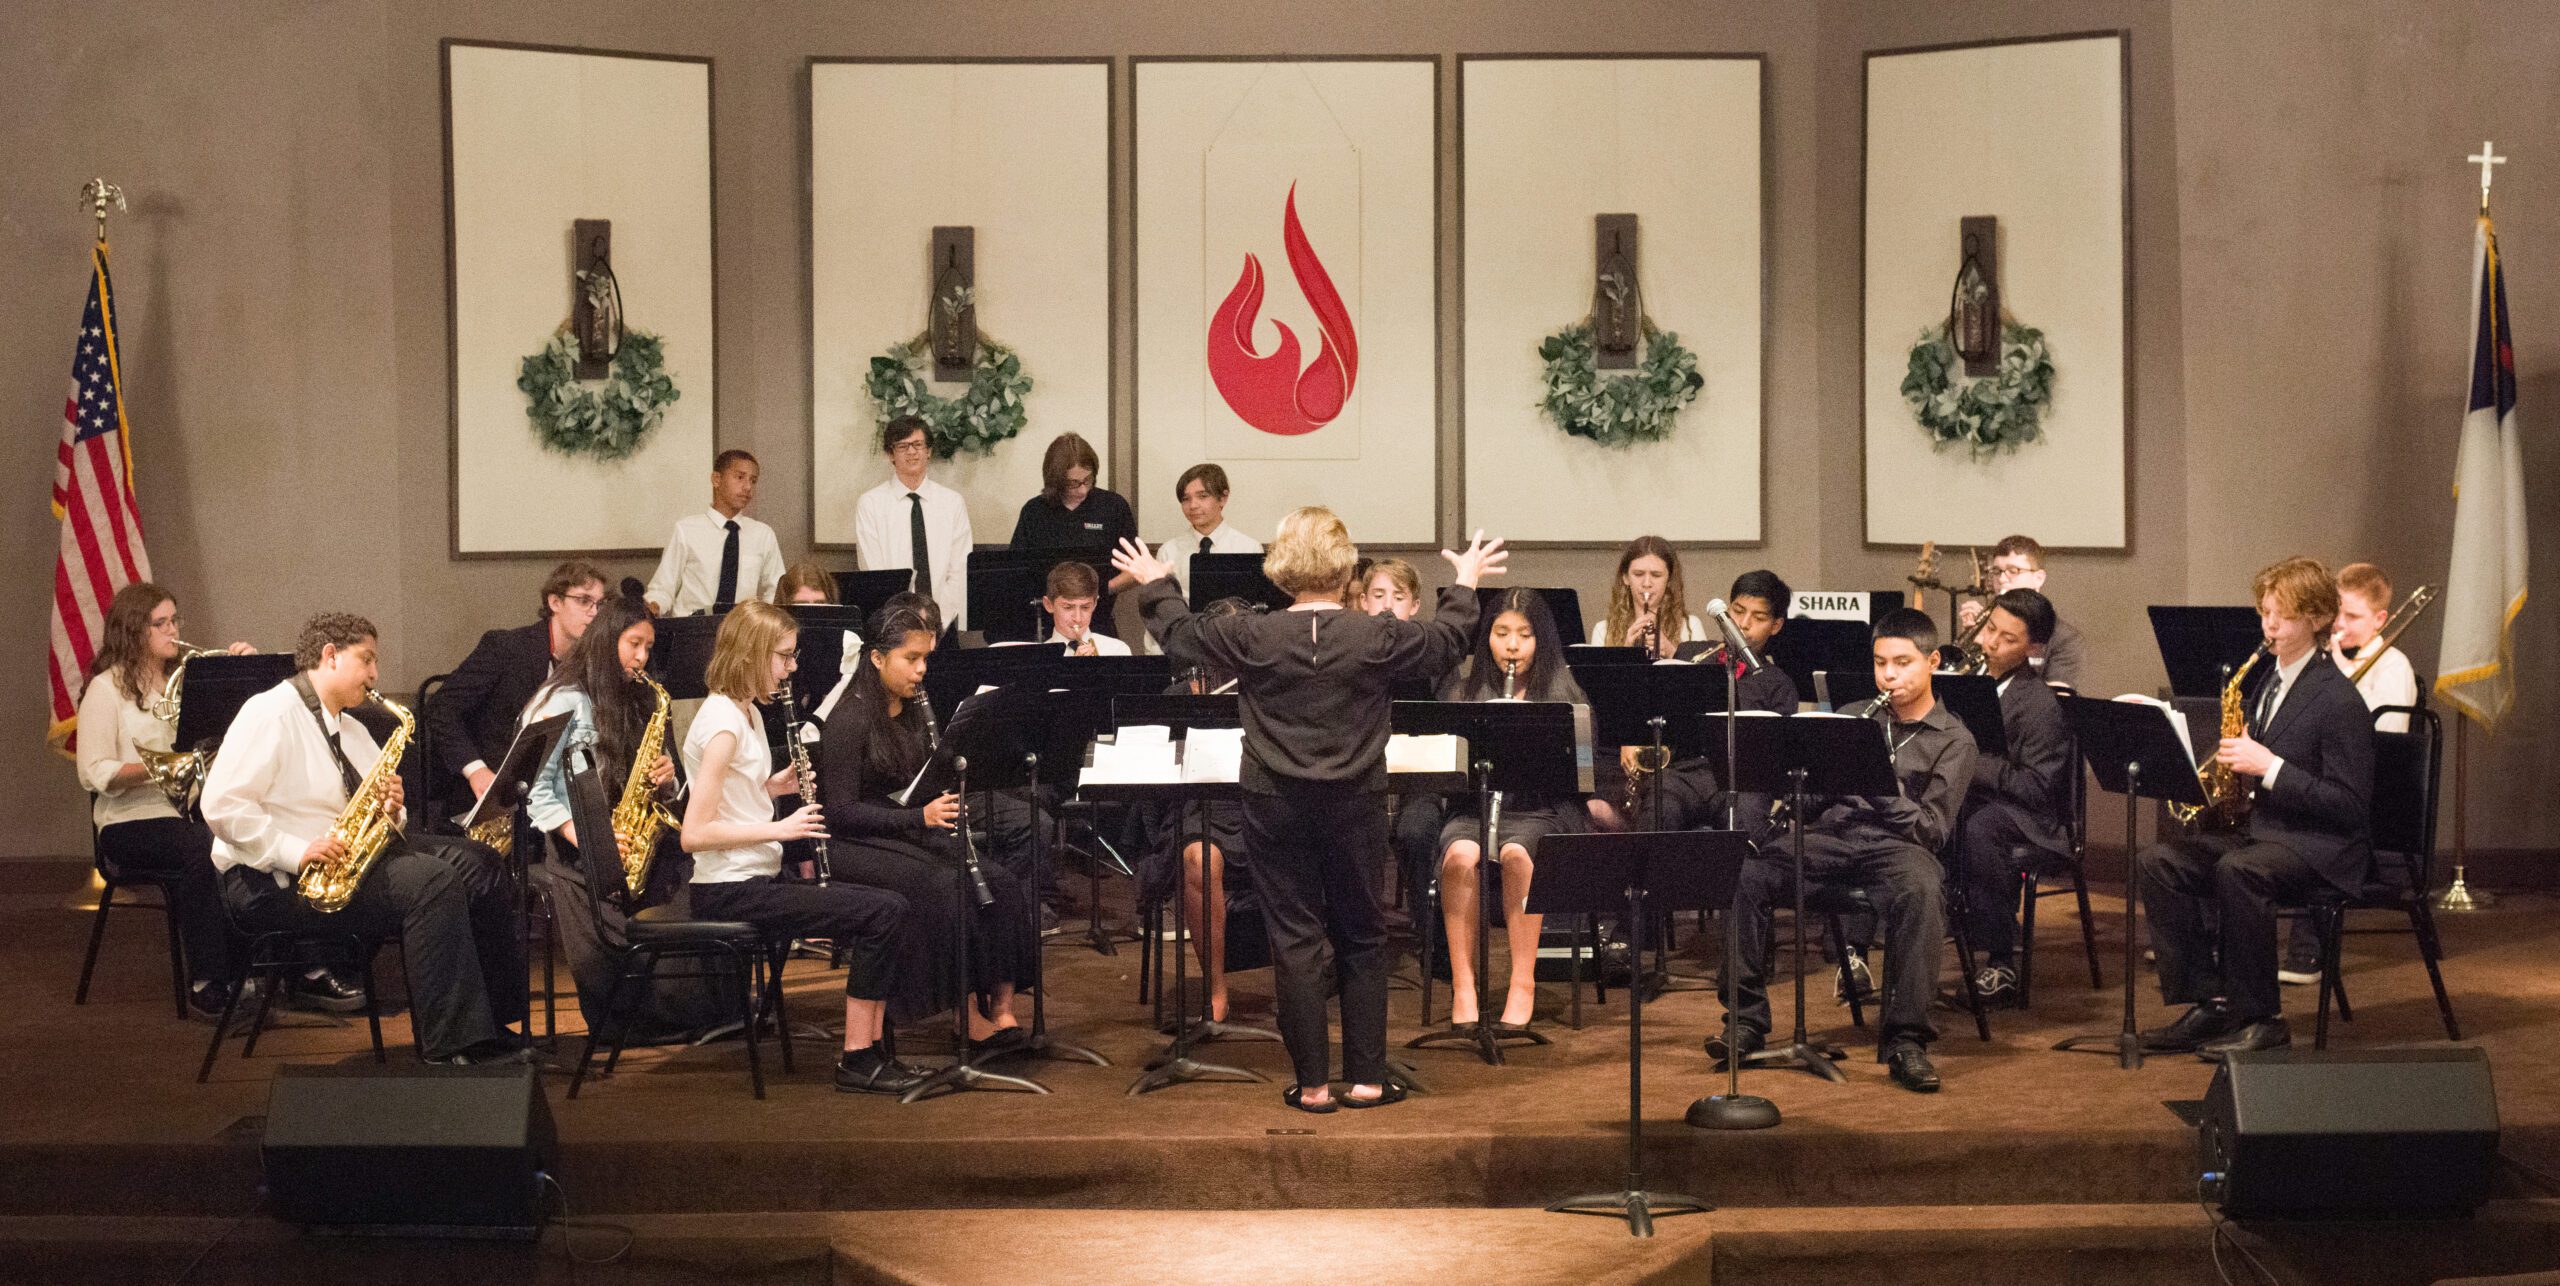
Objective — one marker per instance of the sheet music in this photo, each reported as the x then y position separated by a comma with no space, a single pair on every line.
1438,753
2177,719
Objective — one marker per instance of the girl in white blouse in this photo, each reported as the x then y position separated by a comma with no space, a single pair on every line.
736,841
139,831
1647,600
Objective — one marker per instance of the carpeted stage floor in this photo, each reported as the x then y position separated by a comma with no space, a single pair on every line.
2032,1166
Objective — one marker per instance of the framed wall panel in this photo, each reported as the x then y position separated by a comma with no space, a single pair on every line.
1548,143
1288,289
2034,133
536,138
1019,151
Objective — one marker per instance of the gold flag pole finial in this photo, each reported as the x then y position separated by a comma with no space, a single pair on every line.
2484,158
98,194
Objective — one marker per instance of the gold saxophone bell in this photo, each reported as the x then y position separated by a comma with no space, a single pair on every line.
366,827
639,819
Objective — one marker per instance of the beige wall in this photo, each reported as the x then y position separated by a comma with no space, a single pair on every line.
282,278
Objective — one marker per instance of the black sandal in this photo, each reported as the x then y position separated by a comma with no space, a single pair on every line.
1290,1097
1391,1092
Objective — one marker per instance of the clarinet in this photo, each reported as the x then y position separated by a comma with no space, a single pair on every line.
968,845
1492,844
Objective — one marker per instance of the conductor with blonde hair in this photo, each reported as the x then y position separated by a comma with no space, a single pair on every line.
1315,682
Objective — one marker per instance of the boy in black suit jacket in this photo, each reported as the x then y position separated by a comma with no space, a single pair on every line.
2013,815
474,715
2308,753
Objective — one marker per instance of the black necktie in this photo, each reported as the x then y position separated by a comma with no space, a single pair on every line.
2266,705
1204,544
726,596
347,774
916,542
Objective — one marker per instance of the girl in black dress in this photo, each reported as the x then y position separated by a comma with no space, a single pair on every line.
875,740
1522,645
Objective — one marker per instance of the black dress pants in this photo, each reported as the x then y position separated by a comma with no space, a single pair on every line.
182,848
2190,886
1906,885
865,923
1989,833
464,963
1315,849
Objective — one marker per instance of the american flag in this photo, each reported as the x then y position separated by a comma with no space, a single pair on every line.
93,496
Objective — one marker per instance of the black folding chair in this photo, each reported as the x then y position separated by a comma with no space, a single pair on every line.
2036,867
2407,768
116,880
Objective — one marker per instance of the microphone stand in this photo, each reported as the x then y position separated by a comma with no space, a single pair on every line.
1733,1109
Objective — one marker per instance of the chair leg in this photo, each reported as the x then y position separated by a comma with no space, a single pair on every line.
1428,904
747,1010
1964,970
1848,981
596,1024
2088,923
2334,966
230,1005
613,1012
2422,922
97,934
372,1001
2027,900
2328,921
774,962
277,974
177,950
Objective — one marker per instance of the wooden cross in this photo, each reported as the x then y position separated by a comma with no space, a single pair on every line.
2484,158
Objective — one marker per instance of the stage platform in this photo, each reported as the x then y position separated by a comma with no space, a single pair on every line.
2032,1165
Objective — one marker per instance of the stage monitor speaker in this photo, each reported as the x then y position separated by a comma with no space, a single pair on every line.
2374,1134
413,1151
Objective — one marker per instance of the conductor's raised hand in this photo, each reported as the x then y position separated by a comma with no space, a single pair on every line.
1133,558
1481,558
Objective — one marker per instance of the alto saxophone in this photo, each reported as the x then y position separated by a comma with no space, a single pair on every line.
366,827
2226,803
639,817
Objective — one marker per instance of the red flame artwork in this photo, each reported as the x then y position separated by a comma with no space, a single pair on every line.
1270,392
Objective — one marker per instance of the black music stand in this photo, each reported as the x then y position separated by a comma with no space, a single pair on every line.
526,755
1808,645
2135,752
214,688
1974,699
683,653
1541,747
1006,586
823,627
869,591
1583,656
1802,757
973,729
1563,604
1640,874
1084,687
1217,576
1005,741
2201,646
1669,710
1189,796
957,673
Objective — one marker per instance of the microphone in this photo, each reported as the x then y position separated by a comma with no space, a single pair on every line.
1733,641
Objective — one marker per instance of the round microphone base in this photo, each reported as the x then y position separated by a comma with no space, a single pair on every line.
1733,1112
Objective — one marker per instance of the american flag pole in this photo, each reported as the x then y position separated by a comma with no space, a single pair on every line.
101,549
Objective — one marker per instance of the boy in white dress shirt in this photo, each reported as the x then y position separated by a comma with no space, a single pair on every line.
289,762
1074,591
1202,489
915,522
720,557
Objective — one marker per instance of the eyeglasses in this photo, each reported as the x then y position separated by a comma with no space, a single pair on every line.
787,653
587,601
917,447
173,623
1075,483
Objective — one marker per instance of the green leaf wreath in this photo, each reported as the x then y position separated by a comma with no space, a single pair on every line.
973,423
1999,412
607,419
1623,409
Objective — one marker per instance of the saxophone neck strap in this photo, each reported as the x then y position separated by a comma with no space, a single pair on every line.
348,777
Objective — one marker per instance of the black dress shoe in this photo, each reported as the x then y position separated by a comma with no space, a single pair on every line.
1751,1039
2204,1022
1911,1068
868,1071
327,993
2265,1033
1003,1040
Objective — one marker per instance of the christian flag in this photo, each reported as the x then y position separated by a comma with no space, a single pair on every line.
2485,587
93,498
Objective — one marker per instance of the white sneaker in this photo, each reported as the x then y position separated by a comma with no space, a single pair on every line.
2292,977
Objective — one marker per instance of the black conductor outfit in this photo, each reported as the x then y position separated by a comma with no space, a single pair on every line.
1316,682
